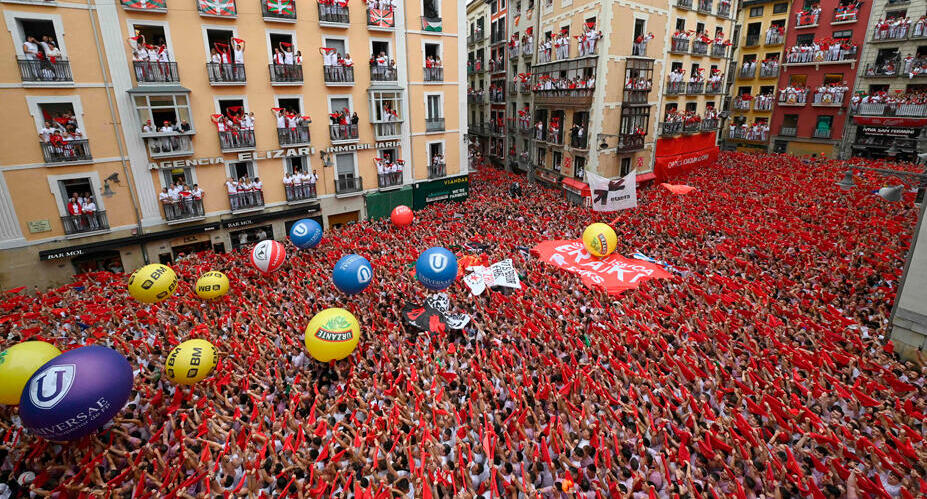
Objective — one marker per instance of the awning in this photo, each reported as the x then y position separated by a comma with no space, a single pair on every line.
890,121
641,178
576,186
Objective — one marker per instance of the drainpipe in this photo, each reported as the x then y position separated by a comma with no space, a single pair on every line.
107,85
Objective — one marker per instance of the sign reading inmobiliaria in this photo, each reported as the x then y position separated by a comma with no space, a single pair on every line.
613,273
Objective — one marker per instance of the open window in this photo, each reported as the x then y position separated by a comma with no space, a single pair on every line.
380,49
157,110
232,108
41,32
239,170
282,44
219,41
384,107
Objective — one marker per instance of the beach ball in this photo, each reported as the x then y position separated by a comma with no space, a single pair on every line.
18,363
600,239
76,393
332,334
212,284
352,274
306,233
152,283
191,361
436,268
401,215
267,256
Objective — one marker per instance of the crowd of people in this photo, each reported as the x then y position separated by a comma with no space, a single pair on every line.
292,127
389,172
82,212
227,61
830,93
300,185
179,200
62,137
287,62
761,102
245,192
820,50
552,84
236,127
910,103
760,369
759,130
775,34
41,56
343,124
793,93
151,61
338,67
810,15
891,28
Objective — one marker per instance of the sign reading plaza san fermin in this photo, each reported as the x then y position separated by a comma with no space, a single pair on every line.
242,156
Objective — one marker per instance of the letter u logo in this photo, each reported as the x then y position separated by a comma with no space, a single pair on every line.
437,262
50,386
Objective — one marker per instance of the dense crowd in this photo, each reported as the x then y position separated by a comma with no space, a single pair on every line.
759,370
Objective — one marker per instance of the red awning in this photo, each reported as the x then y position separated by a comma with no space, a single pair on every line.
645,177
579,187
890,121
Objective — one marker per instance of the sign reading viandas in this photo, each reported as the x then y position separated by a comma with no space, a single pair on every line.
612,273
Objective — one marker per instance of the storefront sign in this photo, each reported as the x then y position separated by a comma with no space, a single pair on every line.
62,254
890,131
436,191
242,156
39,226
192,238
363,147
238,223
890,121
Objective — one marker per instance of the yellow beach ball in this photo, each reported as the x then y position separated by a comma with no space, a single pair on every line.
152,283
332,334
600,239
191,361
18,363
212,284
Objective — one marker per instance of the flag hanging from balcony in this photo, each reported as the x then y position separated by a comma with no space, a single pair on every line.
383,18
224,8
144,4
431,24
281,7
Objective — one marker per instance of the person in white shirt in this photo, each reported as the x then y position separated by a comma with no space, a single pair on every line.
165,199
299,181
197,195
232,187
288,186
244,192
90,209
47,131
312,178
257,191
238,50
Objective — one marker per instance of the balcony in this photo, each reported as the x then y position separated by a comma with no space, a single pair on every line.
432,24
183,210
714,87
434,124
848,58
555,139
675,88
524,88
691,127
497,36
807,20
669,129
236,140
434,74
381,19
155,72
67,151
338,76
699,47
389,180
497,97
166,145
476,37
382,74
296,136
476,99
279,11
577,142
577,97
348,184
763,105
888,68
629,142
387,130
825,99
718,50
752,41
845,15
635,97
342,132
286,74
741,105
695,88
893,34
724,10
246,201
524,128
821,133
45,71
788,131
704,6
709,124
769,71
334,15
754,135
437,170
774,39
87,222
225,74
747,72
296,193
684,4
679,45
496,129
896,110
793,98
514,53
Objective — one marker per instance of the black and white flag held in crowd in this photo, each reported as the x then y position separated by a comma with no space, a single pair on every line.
613,195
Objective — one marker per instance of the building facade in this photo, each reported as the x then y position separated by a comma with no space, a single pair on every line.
761,36
820,63
213,126
478,49
888,111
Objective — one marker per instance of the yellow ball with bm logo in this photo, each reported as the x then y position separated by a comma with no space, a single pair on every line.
212,285
152,283
191,361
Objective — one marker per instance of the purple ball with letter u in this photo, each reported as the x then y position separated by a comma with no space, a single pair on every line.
76,393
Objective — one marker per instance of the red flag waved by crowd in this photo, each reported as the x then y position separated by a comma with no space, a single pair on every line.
750,361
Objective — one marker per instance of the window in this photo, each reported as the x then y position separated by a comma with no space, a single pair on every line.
433,107
242,169
435,149
61,116
780,8
431,8
579,167
290,104
639,26
680,24
878,88
82,188
671,108
798,80
232,107
156,109
344,165
753,29
388,155
699,27
805,39
691,107
339,104
625,167
676,66
378,48
744,90
847,33
892,14
339,44
824,123
766,89
40,31
433,50
281,41
297,163
790,121
749,58
384,107
149,35
219,40
170,176
756,11
557,158
772,56
695,69
493,7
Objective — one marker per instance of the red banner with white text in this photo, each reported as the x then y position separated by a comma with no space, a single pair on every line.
613,273
679,155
